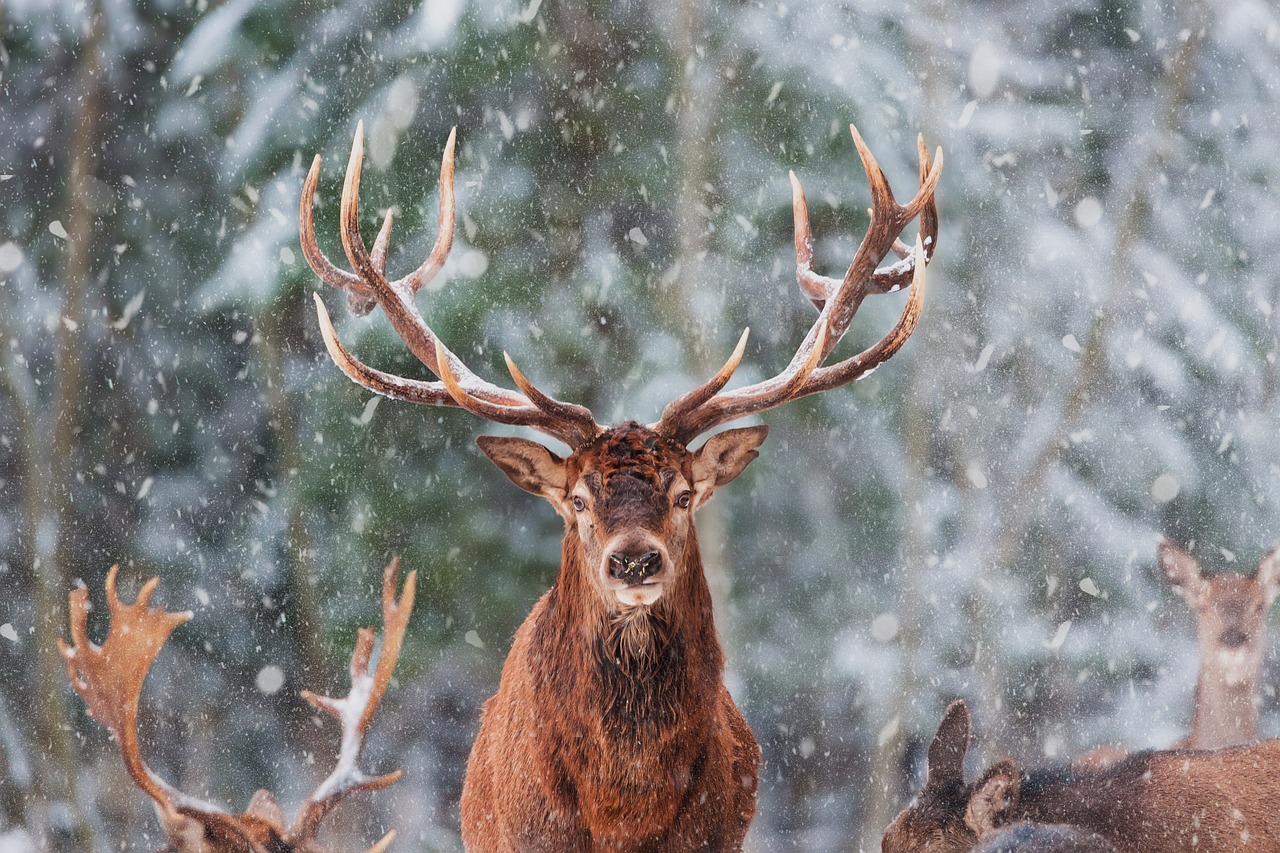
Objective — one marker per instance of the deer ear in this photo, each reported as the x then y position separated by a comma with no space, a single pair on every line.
529,465
1182,571
948,747
1268,574
993,798
723,457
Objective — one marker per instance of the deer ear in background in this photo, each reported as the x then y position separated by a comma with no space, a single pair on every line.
1183,573
949,746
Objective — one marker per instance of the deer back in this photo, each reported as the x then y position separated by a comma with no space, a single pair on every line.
1150,802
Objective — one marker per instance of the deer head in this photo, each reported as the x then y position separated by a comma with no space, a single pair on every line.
109,678
949,816
1230,610
627,493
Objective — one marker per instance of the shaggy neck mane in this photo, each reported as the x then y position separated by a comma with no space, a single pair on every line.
632,668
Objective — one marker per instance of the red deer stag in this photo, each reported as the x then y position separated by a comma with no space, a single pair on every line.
1170,801
612,728
109,678
1230,610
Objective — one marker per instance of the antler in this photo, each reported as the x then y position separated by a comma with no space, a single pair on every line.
837,301
368,285
110,678
355,711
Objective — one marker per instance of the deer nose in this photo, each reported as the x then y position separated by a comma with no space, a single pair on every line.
1233,638
635,568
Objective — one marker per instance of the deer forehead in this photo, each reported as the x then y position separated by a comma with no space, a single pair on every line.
628,458
1233,594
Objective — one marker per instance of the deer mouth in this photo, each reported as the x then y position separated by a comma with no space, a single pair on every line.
640,594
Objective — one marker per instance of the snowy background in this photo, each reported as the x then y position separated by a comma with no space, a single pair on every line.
1096,367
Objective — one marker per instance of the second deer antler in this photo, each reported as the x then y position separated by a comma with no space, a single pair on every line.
110,678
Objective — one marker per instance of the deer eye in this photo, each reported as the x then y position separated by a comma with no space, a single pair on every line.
579,504
685,498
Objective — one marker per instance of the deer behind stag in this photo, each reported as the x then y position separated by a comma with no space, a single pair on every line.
110,677
1171,801
1230,610
612,728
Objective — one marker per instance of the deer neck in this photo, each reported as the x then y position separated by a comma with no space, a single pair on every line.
1225,713
632,669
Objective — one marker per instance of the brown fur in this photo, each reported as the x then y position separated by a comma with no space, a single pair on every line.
611,728
1151,802
1040,838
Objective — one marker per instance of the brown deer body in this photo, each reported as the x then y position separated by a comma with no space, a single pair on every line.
611,728
1230,610
110,678
1043,838
1150,802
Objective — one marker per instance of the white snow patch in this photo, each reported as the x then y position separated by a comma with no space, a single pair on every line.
270,679
1088,587
473,639
888,732
1165,488
1060,636
10,256
966,115
984,70
57,230
7,631
1088,212
884,627
1070,342
983,357
976,477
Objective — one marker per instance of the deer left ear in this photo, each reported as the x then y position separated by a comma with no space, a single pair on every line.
723,458
529,465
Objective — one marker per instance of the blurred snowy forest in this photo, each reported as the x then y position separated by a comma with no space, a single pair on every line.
1096,368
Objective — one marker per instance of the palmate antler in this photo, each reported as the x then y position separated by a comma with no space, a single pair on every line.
692,413
110,677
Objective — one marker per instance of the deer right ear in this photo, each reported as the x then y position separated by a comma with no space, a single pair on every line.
529,465
1268,574
723,458
1182,571
948,748
993,798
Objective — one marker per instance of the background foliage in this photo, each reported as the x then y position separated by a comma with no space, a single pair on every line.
1096,368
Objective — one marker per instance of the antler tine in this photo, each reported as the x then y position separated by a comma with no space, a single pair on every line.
397,301
837,301
571,413
444,224
575,429
817,287
386,384
888,218
359,295
690,400
109,677
861,365
355,711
